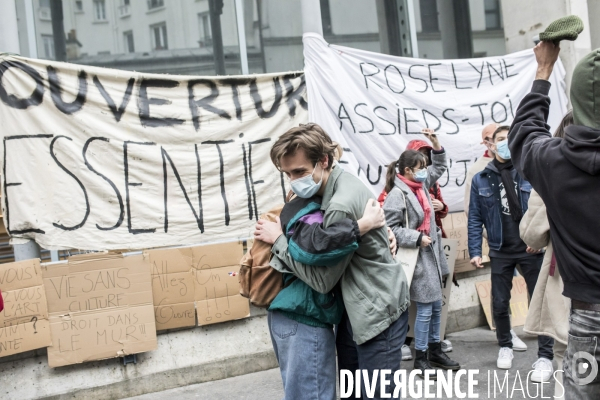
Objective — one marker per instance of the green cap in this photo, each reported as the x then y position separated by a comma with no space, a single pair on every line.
565,28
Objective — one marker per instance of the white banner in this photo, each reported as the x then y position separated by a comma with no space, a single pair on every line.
374,104
95,158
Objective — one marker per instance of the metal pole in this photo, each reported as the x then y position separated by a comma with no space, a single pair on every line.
9,30
58,30
215,9
311,17
260,36
239,13
31,38
412,25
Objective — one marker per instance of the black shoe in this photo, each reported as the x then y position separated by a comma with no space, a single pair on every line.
422,363
437,358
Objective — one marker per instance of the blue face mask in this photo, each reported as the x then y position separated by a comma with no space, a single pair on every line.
421,175
502,150
306,187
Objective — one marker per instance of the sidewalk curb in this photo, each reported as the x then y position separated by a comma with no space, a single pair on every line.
216,370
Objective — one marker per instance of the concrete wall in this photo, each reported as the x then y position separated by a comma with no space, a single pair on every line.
185,357
528,18
594,26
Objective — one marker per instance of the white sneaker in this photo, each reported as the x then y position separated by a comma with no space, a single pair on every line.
518,344
505,357
406,354
543,370
446,346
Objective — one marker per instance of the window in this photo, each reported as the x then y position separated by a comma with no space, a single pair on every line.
79,5
204,28
125,2
159,37
429,16
155,4
326,17
129,47
99,10
44,10
492,14
48,41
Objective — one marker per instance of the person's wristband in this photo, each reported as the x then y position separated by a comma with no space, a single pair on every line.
419,239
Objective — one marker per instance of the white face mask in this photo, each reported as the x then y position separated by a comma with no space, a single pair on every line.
306,187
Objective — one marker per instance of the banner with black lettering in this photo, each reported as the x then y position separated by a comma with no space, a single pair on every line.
374,104
95,158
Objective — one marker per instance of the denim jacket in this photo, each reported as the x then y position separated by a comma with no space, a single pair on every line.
485,207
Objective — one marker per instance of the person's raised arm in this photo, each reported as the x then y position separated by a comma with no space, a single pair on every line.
439,163
529,131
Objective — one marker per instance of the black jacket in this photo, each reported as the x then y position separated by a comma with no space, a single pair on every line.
566,174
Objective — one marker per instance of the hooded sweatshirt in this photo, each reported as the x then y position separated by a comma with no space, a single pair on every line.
566,174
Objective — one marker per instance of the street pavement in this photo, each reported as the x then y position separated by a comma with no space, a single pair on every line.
475,349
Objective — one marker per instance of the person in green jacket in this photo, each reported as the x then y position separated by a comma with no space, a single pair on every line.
373,284
307,357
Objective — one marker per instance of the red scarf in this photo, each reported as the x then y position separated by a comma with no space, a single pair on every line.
417,189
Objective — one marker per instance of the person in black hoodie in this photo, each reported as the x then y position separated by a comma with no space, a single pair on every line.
566,174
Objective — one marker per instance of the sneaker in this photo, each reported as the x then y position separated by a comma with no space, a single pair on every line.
446,346
542,370
518,344
505,357
406,354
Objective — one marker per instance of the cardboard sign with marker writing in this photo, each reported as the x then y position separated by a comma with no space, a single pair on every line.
24,322
450,250
100,307
455,225
519,303
172,287
216,283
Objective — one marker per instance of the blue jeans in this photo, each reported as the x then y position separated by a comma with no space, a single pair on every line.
306,357
427,324
582,352
384,351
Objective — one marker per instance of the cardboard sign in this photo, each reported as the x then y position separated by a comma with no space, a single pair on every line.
100,307
24,322
519,303
215,269
450,249
455,225
172,287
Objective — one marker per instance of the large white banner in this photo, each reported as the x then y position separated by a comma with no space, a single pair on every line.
374,104
95,158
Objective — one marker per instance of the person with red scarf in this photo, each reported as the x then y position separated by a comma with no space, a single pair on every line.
408,181
435,192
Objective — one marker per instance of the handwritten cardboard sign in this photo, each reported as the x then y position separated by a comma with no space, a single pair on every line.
450,250
519,303
100,307
455,225
24,321
215,269
172,287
